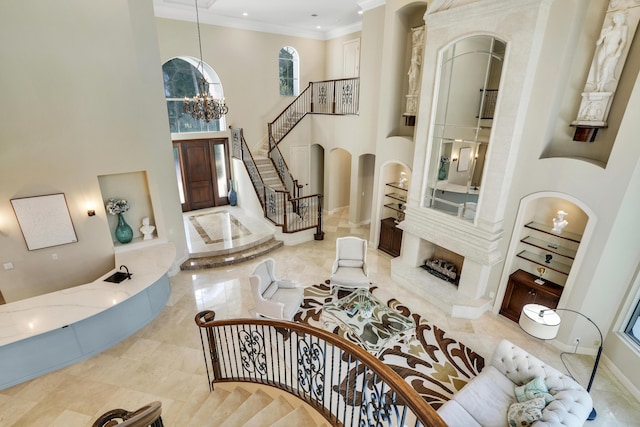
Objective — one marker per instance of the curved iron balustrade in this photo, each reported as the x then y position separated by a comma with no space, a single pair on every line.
343,382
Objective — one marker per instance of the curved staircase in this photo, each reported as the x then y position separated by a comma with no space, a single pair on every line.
238,405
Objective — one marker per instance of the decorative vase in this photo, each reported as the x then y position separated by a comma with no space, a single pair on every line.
233,197
124,233
442,172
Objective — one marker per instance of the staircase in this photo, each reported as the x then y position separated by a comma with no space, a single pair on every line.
233,405
268,173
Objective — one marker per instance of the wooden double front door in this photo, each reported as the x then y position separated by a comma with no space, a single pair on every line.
203,172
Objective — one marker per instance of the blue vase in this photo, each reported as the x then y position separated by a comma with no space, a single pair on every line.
442,172
124,233
233,197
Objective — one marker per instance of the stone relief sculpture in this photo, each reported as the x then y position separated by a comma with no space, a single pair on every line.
417,45
414,71
611,50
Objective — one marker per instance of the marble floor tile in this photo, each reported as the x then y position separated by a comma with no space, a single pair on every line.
163,360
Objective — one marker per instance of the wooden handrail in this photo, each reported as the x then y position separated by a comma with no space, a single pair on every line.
426,415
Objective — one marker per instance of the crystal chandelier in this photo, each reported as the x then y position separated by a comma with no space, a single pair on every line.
204,106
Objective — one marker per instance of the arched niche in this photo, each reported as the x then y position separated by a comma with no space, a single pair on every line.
534,240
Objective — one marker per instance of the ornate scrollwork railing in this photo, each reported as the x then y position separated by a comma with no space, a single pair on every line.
339,97
346,384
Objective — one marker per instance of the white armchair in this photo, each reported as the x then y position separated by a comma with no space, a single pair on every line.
274,298
349,270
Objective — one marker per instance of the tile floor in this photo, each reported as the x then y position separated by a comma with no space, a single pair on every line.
163,361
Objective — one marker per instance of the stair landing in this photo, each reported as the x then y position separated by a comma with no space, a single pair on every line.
226,235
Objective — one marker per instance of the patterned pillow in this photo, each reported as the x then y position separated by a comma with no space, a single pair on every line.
523,414
534,388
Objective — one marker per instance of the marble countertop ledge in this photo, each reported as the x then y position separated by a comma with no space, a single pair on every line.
44,313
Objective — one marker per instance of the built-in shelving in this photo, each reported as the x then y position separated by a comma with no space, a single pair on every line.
544,247
550,247
395,199
572,237
541,260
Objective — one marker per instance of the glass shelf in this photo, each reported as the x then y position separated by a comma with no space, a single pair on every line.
396,196
550,247
394,207
573,237
540,260
396,185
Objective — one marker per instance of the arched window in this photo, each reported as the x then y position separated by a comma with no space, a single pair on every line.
181,76
289,67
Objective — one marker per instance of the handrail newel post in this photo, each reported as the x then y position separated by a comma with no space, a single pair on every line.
319,232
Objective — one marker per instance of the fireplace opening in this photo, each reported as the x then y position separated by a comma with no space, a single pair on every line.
444,264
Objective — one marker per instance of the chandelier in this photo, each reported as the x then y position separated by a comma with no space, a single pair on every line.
204,106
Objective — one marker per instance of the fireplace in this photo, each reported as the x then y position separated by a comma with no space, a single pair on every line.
444,264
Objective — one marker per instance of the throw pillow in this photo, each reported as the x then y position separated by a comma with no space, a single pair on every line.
534,388
523,414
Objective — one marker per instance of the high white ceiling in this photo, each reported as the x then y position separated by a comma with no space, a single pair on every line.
320,19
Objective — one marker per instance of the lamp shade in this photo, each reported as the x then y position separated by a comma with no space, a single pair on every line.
539,321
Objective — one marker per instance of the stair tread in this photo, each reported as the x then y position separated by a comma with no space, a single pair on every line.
255,403
230,404
297,417
213,401
234,258
271,414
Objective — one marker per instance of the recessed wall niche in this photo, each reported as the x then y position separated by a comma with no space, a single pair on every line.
561,143
540,246
134,188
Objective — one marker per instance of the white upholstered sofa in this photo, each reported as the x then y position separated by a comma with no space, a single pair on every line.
485,400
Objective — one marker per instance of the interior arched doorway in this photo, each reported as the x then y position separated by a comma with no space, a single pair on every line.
316,172
363,198
338,176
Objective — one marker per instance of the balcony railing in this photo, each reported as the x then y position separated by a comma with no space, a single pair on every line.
343,382
339,97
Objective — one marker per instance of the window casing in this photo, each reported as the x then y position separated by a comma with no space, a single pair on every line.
288,70
633,327
181,76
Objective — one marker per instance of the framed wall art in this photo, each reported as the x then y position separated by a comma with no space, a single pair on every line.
44,221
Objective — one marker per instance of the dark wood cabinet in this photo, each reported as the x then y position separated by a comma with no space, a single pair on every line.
390,237
522,289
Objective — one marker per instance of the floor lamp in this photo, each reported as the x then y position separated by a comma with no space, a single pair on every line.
543,323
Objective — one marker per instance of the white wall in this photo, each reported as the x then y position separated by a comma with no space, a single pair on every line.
247,64
82,96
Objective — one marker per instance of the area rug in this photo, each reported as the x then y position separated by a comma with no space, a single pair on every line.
211,227
435,365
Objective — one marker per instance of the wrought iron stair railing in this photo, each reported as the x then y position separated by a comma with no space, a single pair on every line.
343,382
336,97
293,214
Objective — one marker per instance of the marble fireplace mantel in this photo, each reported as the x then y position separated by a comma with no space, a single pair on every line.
424,228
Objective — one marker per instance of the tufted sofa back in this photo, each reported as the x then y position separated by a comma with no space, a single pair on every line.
572,403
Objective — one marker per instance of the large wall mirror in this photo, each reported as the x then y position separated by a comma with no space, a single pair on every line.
469,80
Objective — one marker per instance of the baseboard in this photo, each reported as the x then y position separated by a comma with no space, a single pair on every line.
631,388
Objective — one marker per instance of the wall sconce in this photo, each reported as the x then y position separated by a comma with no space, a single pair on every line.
91,212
